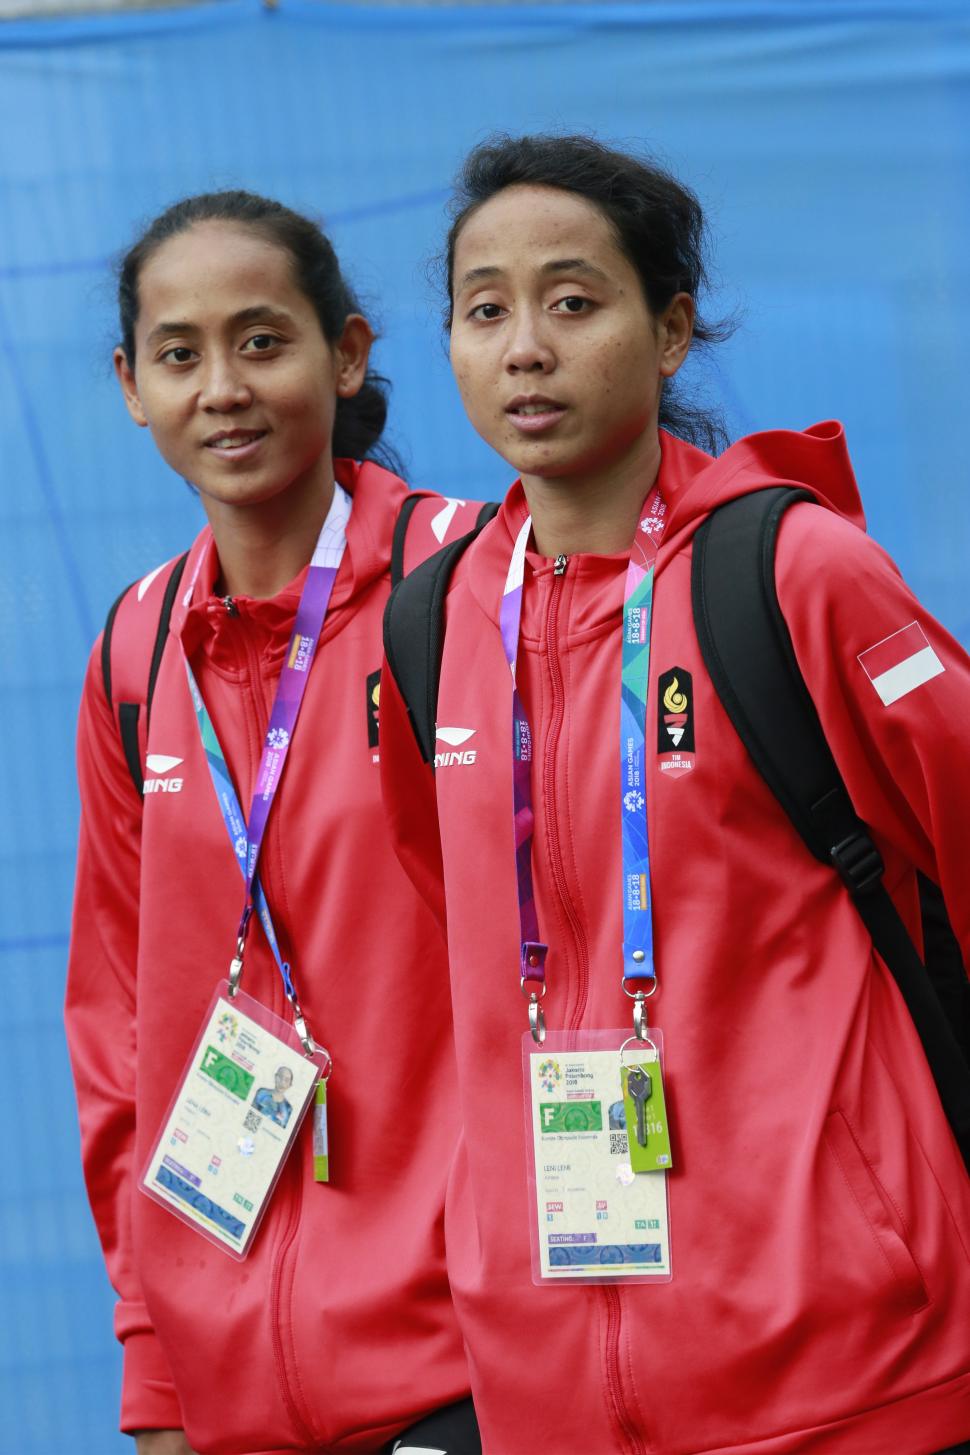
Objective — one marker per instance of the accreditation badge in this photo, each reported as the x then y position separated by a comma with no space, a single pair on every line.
232,1121
596,1218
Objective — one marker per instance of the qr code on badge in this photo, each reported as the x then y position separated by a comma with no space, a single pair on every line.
253,1119
619,1146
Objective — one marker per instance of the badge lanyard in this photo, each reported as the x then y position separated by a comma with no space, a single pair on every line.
639,970
247,840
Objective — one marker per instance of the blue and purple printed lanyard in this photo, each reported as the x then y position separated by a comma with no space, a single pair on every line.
247,838
639,970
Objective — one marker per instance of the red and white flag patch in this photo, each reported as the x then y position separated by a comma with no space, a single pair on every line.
900,663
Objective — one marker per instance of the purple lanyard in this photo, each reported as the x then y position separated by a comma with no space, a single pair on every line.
637,949
246,835
533,951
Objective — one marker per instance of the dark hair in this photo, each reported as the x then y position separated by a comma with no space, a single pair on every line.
658,223
359,421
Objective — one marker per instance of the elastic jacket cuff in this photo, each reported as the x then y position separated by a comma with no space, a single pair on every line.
148,1398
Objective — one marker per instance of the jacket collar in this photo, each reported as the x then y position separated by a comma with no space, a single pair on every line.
693,484
199,617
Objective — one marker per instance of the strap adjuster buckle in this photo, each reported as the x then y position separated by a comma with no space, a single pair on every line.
858,861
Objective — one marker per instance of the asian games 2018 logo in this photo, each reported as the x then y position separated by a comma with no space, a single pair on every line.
227,1027
550,1075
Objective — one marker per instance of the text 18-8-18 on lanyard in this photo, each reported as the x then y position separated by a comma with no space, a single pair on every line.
251,1076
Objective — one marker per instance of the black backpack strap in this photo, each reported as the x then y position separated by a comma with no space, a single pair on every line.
109,627
408,505
129,712
944,962
748,652
161,635
414,633
399,539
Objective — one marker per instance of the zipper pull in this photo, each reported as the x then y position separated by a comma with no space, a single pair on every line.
560,567
231,608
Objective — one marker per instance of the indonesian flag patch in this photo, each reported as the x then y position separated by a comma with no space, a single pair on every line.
900,663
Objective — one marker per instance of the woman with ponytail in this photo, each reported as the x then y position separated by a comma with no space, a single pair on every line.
281,1287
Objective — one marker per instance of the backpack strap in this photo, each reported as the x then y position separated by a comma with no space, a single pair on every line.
455,514
129,712
414,632
748,652
944,962
408,506
161,635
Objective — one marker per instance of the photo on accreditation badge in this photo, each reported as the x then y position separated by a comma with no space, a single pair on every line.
271,1100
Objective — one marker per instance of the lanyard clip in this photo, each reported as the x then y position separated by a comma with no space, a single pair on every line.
533,985
537,1017
310,1047
640,998
236,963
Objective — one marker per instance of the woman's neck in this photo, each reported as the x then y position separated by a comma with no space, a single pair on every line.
596,513
262,547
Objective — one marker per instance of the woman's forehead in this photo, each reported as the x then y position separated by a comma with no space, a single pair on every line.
211,261
533,226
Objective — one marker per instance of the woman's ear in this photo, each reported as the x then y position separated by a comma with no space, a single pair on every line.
352,353
129,389
677,330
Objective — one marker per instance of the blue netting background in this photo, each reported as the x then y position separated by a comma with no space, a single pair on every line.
830,142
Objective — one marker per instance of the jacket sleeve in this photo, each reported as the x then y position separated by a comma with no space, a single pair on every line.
100,1018
905,761
410,804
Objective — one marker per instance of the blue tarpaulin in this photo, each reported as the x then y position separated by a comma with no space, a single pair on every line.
830,144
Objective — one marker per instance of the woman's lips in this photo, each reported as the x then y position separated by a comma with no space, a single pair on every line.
236,445
535,416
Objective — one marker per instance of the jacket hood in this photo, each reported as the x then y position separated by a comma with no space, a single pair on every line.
693,484
816,459
198,614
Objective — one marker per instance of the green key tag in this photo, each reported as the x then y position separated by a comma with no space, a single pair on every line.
321,1159
645,1109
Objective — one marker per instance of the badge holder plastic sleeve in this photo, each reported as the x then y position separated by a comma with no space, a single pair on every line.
593,1220
229,1125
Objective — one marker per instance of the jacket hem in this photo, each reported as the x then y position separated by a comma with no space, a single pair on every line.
921,1424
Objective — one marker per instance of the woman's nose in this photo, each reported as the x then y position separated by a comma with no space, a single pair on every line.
224,387
528,348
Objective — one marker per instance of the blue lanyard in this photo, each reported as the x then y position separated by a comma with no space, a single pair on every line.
247,840
639,969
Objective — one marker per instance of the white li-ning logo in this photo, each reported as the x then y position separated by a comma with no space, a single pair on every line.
160,763
455,754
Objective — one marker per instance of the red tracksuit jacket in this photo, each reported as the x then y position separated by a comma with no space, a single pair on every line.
819,1208
338,1328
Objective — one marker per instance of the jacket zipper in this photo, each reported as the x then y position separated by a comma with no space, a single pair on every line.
550,777
624,1423
280,1289
285,1359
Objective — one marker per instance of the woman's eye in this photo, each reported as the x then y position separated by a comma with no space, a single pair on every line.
261,343
571,304
179,355
487,311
